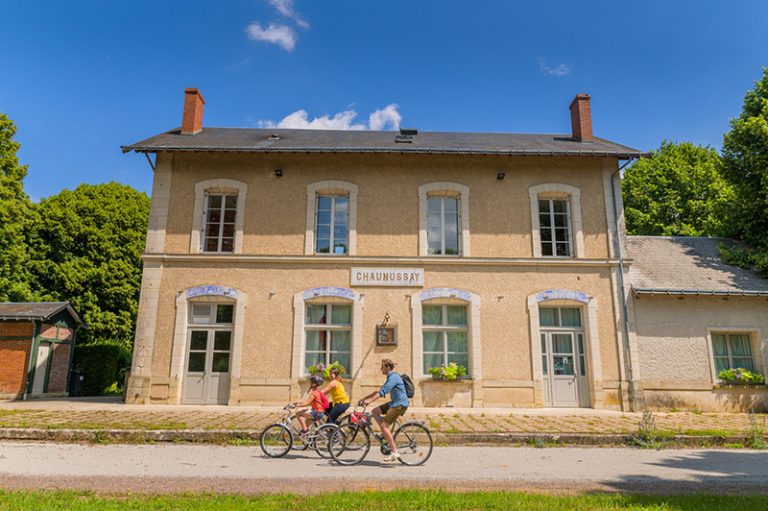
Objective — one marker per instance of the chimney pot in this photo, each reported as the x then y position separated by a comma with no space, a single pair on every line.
581,118
192,118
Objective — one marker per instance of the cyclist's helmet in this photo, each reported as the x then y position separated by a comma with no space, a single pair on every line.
315,380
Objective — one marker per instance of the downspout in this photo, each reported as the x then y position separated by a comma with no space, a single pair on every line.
622,287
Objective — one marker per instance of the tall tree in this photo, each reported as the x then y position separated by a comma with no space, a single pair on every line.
86,248
14,216
679,190
745,160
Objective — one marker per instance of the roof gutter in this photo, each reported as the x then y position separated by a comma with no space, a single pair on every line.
697,292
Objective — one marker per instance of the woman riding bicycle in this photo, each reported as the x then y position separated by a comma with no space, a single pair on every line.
338,395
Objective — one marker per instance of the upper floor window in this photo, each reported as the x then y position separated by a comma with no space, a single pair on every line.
220,215
732,351
443,232
332,225
555,227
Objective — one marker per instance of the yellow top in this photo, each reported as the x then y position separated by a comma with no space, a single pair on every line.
338,394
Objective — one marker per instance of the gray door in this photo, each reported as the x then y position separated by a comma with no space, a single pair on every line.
564,369
206,379
41,368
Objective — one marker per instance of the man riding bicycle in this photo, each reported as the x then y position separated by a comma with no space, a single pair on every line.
396,407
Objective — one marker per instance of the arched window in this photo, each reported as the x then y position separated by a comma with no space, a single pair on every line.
331,219
217,220
556,220
444,220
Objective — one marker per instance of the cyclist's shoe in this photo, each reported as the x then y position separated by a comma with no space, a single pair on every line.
391,457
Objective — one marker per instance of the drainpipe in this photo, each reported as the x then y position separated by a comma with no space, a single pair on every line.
622,287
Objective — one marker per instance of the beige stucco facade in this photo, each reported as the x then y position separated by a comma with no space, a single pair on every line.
499,275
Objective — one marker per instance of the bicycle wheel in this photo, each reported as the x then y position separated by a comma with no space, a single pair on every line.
349,444
414,443
323,439
276,440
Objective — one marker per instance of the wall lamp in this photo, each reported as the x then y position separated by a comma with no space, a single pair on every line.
278,172
500,176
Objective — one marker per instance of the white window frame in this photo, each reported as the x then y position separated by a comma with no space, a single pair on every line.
443,329
442,199
561,192
757,344
220,236
328,328
444,189
554,242
333,197
217,186
330,188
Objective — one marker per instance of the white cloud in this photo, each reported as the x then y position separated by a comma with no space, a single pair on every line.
281,35
285,7
559,70
387,116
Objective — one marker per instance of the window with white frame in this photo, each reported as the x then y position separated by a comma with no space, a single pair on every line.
732,351
332,224
328,334
443,225
555,227
219,216
445,336
210,343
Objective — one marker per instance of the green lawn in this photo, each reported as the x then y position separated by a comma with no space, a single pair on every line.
405,500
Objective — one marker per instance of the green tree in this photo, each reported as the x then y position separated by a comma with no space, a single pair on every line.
86,248
745,162
678,191
14,217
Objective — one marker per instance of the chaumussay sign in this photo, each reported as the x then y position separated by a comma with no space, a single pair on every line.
404,277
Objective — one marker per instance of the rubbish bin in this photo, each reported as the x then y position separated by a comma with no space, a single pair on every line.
76,379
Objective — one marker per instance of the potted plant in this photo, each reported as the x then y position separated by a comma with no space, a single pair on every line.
451,372
740,376
325,371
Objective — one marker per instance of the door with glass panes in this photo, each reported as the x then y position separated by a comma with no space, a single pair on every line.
563,357
209,344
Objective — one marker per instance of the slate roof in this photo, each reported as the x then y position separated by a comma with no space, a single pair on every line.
687,265
21,311
336,141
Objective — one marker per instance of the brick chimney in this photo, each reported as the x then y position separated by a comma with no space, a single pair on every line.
581,118
192,120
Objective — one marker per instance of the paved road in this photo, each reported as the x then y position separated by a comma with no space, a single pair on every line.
162,468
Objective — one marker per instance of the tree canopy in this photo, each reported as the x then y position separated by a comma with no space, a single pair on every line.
14,217
85,247
678,191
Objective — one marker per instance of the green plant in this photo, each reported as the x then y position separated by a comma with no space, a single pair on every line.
325,371
756,439
450,372
741,376
647,435
102,364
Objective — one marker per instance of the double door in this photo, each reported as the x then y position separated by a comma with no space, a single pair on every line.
206,377
564,369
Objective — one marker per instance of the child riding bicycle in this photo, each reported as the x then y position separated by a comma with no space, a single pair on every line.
317,403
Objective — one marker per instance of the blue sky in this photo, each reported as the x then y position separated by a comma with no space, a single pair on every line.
82,78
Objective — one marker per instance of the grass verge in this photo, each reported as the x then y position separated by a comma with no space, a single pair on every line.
430,500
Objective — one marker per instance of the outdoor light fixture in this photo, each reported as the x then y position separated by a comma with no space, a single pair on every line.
500,176
278,172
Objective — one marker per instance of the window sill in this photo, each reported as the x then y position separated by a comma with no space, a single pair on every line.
464,379
739,386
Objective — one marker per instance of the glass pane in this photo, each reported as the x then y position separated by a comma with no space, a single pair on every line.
323,246
312,359
561,221
559,206
341,340
544,206
546,234
434,204
546,249
718,345
721,363
339,231
316,340
561,234
433,341
214,216
562,343
220,363
212,230
227,245
432,315
231,202
457,315
228,231
457,342
582,366
570,316
199,340
230,215
341,314
224,313
324,202
545,221
196,362
543,344
451,236
563,365
201,309
459,359
214,202
221,341
563,249
544,368
744,363
548,317
316,314
323,231
580,338
740,345
211,245
342,358
340,212
451,205
432,360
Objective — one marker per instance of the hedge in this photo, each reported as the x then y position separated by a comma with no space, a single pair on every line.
101,364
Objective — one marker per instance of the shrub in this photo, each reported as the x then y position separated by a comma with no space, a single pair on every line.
324,371
102,363
741,376
450,372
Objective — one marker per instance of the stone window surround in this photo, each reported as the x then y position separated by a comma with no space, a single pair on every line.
566,298
446,296
758,344
443,188
557,191
198,222
218,294
326,294
330,188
